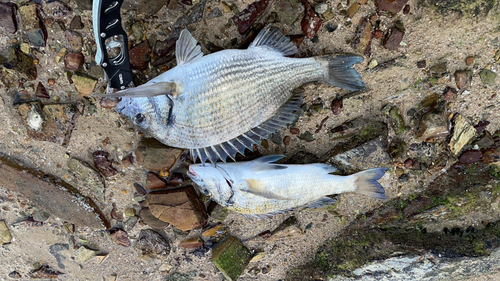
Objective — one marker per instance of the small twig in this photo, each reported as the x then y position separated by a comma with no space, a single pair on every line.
321,124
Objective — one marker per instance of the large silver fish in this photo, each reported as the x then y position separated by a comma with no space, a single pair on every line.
220,104
258,187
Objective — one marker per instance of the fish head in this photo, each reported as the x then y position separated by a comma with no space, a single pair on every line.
153,118
212,182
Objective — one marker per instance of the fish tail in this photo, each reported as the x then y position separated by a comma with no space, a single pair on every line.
341,74
366,183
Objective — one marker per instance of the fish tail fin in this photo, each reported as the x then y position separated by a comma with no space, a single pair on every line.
341,74
366,183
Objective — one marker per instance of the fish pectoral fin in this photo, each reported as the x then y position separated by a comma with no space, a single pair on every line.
258,188
186,48
146,90
269,158
273,38
322,202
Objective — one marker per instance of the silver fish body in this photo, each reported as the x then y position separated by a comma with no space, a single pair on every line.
260,187
223,103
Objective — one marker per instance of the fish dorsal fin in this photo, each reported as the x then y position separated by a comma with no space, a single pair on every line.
258,188
283,116
186,50
273,38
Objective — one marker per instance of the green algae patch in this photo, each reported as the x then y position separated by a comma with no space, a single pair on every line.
231,257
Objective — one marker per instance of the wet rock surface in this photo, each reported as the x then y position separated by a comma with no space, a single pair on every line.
231,257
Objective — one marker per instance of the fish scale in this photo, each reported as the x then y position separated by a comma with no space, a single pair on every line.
220,104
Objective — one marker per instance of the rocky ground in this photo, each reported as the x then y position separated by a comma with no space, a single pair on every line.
84,196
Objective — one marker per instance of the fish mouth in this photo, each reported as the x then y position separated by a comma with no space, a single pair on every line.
191,173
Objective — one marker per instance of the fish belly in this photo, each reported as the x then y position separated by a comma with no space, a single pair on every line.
230,92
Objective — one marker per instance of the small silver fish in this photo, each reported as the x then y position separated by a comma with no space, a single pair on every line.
222,103
259,187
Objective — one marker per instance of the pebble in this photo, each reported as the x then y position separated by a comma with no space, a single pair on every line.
76,23
470,156
5,236
461,79
307,136
8,20
60,54
449,93
391,6
40,216
406,9
140,56
212,231
103,164
152,244
311,22
469,60
320,8
408,163
84,84
336,106
331,27
487,76
120,237
286,140
45,272
421,64
294,131
155,156
399,171
289,10
84,254
15,275
433,125
231,257
73,61
247,17
214,13
41,92
181,207
393,39
462,134
74,41
192,243
353,9
193,15
373,63
87,179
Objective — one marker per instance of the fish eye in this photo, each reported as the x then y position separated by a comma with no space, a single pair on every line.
139,119
206,192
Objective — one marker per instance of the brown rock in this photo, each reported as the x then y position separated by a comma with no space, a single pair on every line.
119,237
409,163
433,125
76,23
73,61
140,56
336,106
247,17
392,39
8,20
140,189
391,6
353,9
180,207
461,79
286,140
103,164
294,131
153,181
406,9
192,243
155,156
470,156
51,194
41,92
311,22
469,60
212,231
152,221
84,84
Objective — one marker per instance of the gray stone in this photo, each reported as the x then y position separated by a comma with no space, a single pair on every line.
5,236
192,16
433,126
487,77
152,244
83,254
462,134
8,21
39,215
289,11
369,155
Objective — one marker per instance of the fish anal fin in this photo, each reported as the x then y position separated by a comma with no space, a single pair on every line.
273,38
186,48
322,202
